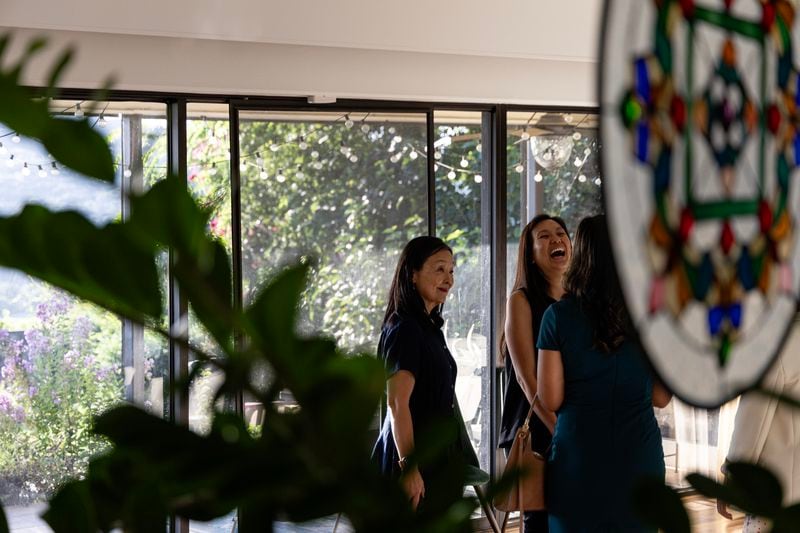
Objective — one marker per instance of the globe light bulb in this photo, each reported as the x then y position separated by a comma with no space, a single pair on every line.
263,174
127,172
587,151
577,136
598,182
54,169
397,139
519,167
25,170
478,178
303,145
479,147
10,163
451,175
16,138
464,163
213,170
582,178
413,155
435,167
280,177
437,155
348,123
578,162
392,130
42,172
365,127
259,159
317,165
354,158
300,174
78,111
538,177
314,154
102,121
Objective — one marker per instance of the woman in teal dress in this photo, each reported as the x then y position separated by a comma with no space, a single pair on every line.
594,376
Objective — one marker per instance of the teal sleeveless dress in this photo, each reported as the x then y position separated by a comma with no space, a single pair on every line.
606,436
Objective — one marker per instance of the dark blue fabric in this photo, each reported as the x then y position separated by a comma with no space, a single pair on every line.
417,346
606,436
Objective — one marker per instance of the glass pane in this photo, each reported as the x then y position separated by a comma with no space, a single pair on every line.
208,161
553,168
461,195
63,360
348,190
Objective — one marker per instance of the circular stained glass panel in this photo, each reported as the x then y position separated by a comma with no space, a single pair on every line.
700,125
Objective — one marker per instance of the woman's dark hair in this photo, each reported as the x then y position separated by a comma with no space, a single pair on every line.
403,296
592,279
529,275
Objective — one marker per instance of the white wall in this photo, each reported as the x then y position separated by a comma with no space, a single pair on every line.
512,51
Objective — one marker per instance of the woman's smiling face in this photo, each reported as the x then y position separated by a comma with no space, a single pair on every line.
552,249
434,280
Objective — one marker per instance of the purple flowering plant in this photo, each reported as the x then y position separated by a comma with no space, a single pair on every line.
57,373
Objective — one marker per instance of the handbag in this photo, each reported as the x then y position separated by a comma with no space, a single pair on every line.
527,492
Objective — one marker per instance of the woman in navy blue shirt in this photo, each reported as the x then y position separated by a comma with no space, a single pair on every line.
422,373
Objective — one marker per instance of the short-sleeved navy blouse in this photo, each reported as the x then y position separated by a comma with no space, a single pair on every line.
417,346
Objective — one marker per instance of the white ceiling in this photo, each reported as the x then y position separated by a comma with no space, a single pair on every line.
565,30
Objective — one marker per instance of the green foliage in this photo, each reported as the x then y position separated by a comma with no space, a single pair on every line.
751,488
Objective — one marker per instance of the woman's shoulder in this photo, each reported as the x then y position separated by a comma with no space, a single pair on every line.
401,323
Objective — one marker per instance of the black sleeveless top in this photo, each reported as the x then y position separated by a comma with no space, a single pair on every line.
515,405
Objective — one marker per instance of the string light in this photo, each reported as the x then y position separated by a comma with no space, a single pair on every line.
280,177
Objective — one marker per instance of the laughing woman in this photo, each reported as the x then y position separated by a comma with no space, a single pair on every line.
422,374
542,258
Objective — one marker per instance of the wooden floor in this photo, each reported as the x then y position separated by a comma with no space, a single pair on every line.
702,515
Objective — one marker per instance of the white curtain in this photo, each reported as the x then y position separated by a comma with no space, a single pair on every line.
703,437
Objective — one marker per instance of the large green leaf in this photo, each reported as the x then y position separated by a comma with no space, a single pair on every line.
100,265
660,506
72,142
167,215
